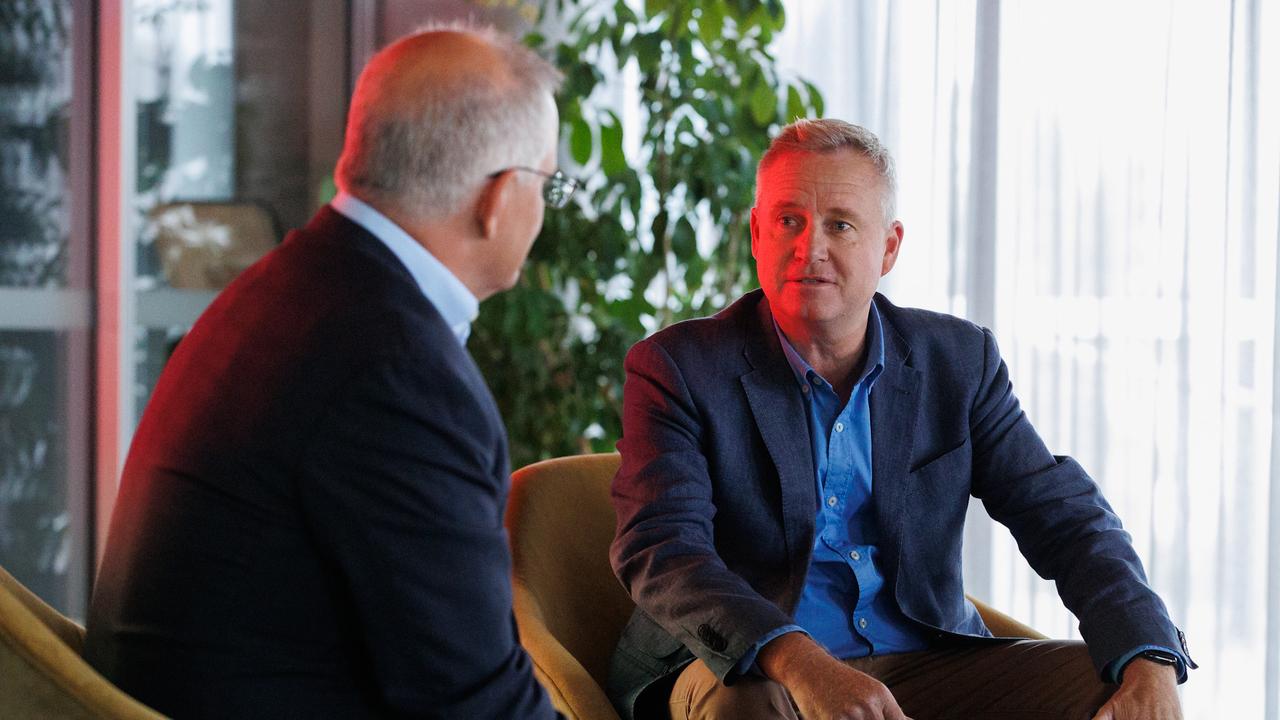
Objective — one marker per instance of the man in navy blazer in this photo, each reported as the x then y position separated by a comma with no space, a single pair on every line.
310,518
795,476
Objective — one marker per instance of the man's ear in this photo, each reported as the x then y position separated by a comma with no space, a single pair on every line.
755,233
892,244
492,203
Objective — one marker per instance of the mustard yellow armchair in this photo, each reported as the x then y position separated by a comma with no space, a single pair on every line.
569,607
41,672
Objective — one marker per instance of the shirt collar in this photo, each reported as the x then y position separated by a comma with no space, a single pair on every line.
870,369
442,288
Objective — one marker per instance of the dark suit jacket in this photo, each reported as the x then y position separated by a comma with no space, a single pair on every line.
716,496
310,518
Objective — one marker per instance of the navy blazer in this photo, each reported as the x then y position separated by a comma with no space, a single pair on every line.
716,497
309,522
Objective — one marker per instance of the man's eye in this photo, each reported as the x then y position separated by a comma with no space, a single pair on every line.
841,226
788,221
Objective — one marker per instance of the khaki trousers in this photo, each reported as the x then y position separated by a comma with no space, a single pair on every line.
1022,680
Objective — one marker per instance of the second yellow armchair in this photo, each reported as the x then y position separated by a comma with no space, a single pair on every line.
569,606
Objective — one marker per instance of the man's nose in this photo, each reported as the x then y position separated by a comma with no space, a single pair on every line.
811,245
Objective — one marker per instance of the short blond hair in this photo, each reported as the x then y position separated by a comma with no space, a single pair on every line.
828,135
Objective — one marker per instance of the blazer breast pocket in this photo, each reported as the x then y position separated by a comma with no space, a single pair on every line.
949,460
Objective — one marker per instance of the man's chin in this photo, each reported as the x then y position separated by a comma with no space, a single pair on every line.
801,293
804,312
808,303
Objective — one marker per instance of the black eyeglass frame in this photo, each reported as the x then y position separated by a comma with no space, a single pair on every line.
557,188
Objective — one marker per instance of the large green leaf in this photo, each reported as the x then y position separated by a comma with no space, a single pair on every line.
648,48
580,141
654,8
815,99
795,104
711,22
612,158
764,104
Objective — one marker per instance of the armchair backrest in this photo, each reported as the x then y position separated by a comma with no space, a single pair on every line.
569,606
41,672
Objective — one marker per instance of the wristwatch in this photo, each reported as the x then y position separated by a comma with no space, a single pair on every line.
1159,657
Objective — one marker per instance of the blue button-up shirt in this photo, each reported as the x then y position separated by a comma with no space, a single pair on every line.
845,604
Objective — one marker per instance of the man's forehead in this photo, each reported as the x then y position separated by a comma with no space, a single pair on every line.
805,177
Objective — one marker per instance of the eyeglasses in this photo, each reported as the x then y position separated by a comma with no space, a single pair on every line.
557,189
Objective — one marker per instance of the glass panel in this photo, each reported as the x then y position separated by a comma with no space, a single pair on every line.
239,106
185,106
44,337
183,79
35,97
43,529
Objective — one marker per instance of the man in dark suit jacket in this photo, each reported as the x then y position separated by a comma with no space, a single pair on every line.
795,476
310,518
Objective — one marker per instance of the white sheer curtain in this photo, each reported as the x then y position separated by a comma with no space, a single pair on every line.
1100,183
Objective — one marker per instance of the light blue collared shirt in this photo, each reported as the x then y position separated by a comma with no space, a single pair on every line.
845,604
443,289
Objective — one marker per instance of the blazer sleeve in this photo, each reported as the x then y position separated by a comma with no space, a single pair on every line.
664,552
1062,523
403,488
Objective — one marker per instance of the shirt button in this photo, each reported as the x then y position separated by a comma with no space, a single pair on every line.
831,501
862,623
804,388
839,427
855,554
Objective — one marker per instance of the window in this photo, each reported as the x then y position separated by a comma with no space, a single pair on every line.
1100,184
45,258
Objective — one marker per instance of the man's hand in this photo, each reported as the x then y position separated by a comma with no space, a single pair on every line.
1148,691
822,687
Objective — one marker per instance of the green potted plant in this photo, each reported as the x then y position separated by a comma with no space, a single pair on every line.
661,232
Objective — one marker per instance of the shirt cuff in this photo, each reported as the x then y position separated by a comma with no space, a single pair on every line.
1114,669
747,663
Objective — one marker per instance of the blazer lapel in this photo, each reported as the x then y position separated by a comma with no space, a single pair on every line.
779,414
895,404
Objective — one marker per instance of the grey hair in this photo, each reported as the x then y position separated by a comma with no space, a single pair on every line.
828,135
457,132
